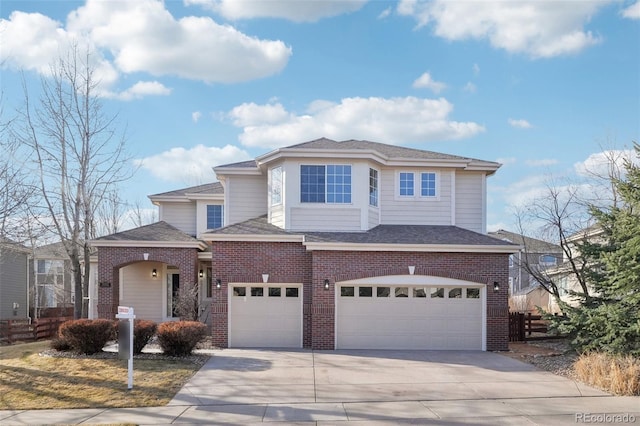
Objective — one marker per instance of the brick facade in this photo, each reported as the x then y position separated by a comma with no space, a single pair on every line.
111,259
291,263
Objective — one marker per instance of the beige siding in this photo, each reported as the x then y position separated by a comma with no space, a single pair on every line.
374,217
277,216
415,211
247,198
142,292
469,200
180,215
325,219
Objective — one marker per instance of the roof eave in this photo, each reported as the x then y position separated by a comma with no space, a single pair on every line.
201,245
433,248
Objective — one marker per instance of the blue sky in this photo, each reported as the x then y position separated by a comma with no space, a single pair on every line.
542,87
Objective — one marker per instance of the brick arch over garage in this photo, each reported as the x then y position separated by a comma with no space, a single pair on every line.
111,259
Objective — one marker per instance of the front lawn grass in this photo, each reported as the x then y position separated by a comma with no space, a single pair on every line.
31,381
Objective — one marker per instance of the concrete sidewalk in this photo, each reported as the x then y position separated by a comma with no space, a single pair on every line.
372,387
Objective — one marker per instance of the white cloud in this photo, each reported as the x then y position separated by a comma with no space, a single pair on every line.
506,160
140,36
542,163
633,11
302,11
393,120
520,124
140,90
385,13
476,69
191,166
470,87
540,29
426,82
599,163
195,116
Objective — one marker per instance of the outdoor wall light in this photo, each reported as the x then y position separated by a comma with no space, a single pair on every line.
326,284
265,278
496,286
218,283
154,273
201,274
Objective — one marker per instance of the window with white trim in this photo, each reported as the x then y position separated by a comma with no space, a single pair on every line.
329,184
276,186
417,184
215,216
373,187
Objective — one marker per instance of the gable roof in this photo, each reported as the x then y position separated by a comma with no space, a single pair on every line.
531,245
380,238
214,188
160,234
51,251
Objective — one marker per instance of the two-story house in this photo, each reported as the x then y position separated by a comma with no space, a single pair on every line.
324,245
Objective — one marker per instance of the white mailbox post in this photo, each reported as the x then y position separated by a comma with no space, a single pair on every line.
125,338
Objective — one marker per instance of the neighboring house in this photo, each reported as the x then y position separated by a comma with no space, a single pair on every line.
563,275
538,254
530,299
14,280
52,286
324,245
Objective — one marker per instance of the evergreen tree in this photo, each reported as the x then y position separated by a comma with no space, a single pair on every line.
609,319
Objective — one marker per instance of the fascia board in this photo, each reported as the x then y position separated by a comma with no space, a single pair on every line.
253,237
432,248
151,244
222,171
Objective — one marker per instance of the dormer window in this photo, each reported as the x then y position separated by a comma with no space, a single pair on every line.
329,184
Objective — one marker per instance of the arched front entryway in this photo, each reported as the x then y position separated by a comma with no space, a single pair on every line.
410,312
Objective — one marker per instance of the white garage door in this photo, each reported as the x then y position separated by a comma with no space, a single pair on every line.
409,317
265,316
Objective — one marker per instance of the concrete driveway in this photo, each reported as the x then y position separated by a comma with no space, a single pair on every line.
372,387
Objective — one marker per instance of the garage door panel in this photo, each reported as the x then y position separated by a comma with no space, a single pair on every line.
409,322
265,321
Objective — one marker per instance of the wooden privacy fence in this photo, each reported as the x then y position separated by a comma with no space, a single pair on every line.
521,327
22,330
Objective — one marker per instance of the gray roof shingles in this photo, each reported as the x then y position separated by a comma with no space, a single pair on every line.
381,234
207,188
159,231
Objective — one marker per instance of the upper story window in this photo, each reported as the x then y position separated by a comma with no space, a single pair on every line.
215,216
425,184
510,261
406,184
373,187
428,184
325,184
276,186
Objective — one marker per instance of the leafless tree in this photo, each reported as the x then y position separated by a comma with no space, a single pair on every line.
561,214
79,156
140,216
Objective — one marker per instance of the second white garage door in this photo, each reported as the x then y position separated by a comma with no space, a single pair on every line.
409,317
265,316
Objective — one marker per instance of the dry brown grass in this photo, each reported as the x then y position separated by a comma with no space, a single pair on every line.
619,375
31,381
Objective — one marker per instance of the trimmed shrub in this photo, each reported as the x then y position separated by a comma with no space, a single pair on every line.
143,331
60,344
181,337
87,336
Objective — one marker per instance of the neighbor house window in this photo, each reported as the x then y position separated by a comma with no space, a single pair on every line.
428,184
547,260
373,187
406,184
276,186
325,184
214,216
